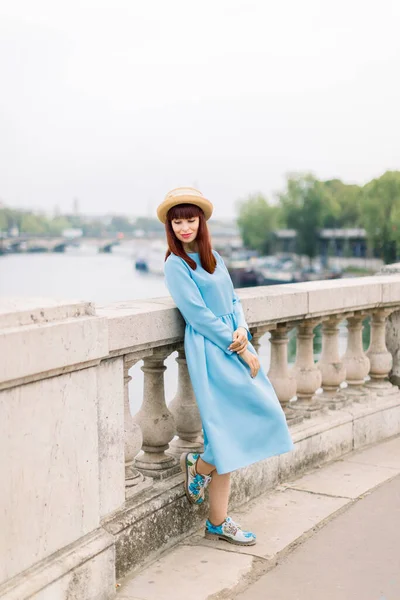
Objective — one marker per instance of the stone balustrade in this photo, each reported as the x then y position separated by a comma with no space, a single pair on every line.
306,389
90,474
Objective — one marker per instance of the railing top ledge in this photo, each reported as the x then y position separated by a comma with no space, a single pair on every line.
143,324
40,336
20,312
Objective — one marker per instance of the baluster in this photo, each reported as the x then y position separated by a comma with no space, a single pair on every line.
282,378
308,375
257,333
333,370
393,345
156,421
132,433
380,358
355,360
185,412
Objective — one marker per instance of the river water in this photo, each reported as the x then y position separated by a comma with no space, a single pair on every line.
104,278
78,275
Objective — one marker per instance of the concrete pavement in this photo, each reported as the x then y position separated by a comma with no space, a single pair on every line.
342,522
355,557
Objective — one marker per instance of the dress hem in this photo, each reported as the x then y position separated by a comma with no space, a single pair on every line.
253,460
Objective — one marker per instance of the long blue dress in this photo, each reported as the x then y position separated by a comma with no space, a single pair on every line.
243,421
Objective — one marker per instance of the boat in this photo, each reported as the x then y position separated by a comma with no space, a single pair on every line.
141,264
153,260
274,271
241,268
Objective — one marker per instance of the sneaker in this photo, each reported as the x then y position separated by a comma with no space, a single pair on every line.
195,484
230,532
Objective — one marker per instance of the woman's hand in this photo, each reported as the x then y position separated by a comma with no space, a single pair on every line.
252,360
240,341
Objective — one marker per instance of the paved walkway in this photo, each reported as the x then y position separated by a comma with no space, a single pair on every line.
332,534
355,557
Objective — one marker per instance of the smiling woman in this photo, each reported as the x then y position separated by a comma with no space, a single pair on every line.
242,419
187,233
184,213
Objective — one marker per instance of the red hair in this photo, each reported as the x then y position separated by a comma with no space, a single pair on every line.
175,246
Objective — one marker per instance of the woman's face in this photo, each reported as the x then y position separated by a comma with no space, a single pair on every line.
186,229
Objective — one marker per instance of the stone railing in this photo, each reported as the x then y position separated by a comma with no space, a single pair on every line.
83,477
306,389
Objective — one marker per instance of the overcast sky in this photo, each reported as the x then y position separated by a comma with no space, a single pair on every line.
114,102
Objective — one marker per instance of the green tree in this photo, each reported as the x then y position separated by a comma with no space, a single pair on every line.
148,224
345,205
3,220
256,221
10,218
120,223
93,229
34,224
57,225
381,214
305,205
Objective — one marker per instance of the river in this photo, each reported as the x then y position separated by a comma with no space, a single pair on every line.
78,275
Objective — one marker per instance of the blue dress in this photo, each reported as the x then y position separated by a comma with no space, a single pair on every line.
243,421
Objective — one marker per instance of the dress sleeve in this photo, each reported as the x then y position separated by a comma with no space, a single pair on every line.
237,305
189,300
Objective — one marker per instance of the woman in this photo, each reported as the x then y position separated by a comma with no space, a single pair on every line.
242,419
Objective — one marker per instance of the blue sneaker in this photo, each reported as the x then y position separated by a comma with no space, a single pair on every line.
230,532
195,484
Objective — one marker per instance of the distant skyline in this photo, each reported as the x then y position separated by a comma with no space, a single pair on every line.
114,103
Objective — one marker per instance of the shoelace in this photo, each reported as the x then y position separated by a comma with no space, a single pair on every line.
206,480
237,526
232,527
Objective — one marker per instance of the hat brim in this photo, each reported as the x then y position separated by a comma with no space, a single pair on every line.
168,203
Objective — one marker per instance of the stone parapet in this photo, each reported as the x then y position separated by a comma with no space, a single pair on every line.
98,482
18,312
137,325
48,339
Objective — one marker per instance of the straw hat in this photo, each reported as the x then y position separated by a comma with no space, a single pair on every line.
184,195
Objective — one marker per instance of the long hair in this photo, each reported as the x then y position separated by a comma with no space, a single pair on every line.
175,246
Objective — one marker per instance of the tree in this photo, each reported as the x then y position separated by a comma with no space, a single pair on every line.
256,221
10,218
57,225
121,223
148,224
3,220
381,214
34,224
345,206
94,228
305,205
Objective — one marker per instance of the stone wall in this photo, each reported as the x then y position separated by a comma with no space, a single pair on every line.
61,449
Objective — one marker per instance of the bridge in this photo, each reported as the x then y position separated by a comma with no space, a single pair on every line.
34,243
92,493
30,243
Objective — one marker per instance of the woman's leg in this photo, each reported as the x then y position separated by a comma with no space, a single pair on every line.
204,468
219,489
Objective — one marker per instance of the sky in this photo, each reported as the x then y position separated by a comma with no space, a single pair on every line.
114,102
